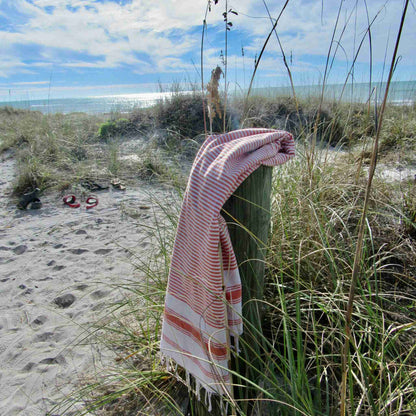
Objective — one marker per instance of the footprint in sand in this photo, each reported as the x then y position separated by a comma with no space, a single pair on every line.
65,301
80,232
40,320
28,366
44,279
53,360
47,336
28,291
19,249
58,268
77,251
5,260
103,251
99,294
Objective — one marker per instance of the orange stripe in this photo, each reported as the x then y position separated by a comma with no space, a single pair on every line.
216,349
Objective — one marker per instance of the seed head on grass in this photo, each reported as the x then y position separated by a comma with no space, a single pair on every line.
213,95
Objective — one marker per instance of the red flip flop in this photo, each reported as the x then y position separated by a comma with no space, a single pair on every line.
70,201
91,202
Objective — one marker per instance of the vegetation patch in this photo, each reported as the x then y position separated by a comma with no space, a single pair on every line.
115,128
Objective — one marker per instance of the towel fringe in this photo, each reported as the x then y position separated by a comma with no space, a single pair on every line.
236,343
198,387
226,407
172,367
188,380
208,403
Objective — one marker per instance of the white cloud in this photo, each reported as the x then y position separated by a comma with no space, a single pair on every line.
9,64
31,83
306,28
154,35
110,33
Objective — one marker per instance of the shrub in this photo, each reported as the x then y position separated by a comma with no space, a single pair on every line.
183,115
113,128
280,113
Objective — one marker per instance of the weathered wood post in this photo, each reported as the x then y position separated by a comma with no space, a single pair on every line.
248,215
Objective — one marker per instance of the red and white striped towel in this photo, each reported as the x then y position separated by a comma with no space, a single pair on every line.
196,318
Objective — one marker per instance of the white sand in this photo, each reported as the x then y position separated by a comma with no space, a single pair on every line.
52,252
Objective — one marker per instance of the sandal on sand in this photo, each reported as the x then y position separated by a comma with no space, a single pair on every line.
93,186
91,202
70,201
28,198
36,204
118,184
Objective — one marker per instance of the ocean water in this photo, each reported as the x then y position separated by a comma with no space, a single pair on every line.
401,92
92,105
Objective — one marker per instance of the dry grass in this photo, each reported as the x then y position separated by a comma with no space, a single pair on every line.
316,213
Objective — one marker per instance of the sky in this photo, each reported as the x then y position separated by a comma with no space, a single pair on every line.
77,48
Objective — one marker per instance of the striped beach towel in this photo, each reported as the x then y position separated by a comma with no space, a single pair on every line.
199,316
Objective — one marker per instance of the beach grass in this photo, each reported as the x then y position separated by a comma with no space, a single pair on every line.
316,209
56,151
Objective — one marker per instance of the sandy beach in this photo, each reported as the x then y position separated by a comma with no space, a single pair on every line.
59,272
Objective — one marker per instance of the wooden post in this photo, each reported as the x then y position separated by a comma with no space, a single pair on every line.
247,213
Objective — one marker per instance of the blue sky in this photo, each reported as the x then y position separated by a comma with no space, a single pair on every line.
67,48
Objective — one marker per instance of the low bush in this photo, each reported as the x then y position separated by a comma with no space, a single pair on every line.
115,128
301,118
50,149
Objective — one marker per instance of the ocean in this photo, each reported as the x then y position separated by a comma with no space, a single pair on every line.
401,92
91,105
